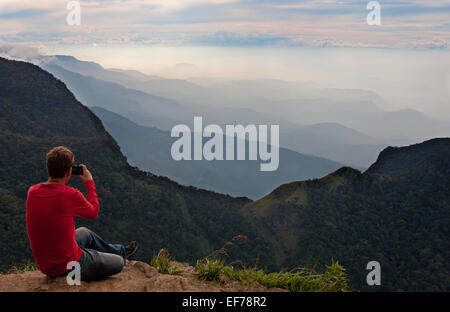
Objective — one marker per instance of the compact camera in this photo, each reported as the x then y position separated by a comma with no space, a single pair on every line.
77,170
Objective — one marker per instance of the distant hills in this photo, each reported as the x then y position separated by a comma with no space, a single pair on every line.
397,213
149,149
363,115
157,102
139,106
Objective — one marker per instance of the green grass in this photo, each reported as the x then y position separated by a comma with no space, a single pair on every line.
23,268
162,264
334,279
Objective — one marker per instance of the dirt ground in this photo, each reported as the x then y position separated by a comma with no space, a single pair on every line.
135,277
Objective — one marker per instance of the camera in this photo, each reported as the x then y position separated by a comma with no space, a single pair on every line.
77,170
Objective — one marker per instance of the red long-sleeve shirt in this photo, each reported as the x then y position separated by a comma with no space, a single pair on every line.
51,212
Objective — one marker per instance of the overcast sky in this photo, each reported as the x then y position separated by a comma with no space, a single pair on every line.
405,23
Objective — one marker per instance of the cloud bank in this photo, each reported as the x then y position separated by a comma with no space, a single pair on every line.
405,24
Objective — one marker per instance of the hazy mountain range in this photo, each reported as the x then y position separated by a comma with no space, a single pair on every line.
141,99
149,149
291,103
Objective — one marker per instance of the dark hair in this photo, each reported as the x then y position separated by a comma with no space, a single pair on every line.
59,161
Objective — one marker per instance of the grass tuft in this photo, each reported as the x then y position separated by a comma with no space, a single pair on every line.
28,267
301,280
162,263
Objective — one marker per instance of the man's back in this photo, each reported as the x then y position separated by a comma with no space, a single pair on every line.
51,208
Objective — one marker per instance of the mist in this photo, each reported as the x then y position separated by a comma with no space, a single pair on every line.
404,79
390,95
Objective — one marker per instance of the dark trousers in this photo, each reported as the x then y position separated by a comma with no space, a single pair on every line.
99,259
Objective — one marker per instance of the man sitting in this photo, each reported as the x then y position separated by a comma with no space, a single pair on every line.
51,210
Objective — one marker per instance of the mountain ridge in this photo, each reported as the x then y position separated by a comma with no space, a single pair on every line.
391,161
401,220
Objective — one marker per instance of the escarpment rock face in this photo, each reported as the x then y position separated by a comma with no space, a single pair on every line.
135,277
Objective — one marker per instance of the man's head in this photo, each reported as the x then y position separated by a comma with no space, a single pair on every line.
59,162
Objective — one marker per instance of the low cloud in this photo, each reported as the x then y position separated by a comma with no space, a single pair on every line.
223,38
19,52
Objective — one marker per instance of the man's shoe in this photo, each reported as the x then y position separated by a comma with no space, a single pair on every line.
131,249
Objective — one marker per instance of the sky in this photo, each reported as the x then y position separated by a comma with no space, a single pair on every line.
406,59
318,23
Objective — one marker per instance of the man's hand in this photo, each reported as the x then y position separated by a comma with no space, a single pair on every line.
86,174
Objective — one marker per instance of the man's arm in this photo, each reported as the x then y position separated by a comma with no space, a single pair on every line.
86,208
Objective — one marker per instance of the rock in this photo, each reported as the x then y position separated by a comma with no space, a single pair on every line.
224,280
136,276
147,269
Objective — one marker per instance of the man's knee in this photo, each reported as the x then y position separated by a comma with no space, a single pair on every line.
100,265
119,263
112,264
82,233
82,230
